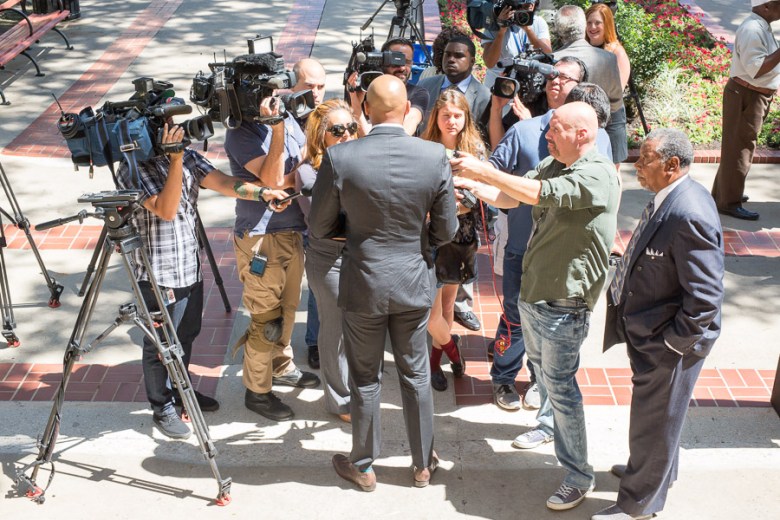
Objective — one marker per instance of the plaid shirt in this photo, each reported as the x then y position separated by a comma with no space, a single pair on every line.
172,246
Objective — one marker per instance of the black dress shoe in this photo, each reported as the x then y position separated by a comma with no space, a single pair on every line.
267,405
739,212
468,319
439,380
618,470
314,357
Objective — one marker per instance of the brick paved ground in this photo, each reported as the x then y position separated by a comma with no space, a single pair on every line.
96,382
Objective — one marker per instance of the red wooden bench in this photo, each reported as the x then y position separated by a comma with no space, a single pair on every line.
19,29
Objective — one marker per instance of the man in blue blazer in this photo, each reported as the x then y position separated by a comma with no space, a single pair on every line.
665,304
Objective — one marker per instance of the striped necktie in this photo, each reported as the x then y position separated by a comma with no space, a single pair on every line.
616,287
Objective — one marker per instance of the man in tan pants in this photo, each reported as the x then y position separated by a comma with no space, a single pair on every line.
269,254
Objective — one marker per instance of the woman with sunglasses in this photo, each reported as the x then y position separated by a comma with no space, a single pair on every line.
329,124
451,124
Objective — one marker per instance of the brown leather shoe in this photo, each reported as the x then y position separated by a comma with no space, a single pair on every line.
422,477
348,471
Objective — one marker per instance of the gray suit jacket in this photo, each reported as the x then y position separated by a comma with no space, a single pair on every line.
476,93
674,284
602,69
381,191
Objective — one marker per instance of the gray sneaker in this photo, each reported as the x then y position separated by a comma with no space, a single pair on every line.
297,378
531,439
567,497
532,400
171,425
506,397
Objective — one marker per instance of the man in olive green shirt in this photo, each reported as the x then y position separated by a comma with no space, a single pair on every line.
575,194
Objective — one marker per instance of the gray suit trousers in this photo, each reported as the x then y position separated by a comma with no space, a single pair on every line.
364,342
658,408
323,266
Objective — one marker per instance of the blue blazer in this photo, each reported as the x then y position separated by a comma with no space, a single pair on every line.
674,284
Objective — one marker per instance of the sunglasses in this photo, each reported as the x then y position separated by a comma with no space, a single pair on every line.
340,130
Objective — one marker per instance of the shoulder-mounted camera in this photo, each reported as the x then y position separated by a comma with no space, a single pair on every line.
369,63
233,90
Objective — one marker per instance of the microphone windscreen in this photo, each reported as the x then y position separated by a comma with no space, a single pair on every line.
306,189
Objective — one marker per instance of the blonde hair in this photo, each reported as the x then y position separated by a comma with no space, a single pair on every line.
316,125
611,41
468,139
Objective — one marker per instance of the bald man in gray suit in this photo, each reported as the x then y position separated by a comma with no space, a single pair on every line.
392,196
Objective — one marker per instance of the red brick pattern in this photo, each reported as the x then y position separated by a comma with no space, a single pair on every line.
41,138
124,383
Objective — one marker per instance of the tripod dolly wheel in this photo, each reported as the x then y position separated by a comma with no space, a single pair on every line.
11,339
54,301
223,500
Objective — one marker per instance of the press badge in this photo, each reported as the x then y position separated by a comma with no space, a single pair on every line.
169,296
257,265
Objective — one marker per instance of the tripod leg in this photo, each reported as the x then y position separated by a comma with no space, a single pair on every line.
101,243
22,223
9,323
170,351
27,485
204,242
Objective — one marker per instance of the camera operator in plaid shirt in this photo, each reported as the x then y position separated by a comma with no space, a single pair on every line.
170,185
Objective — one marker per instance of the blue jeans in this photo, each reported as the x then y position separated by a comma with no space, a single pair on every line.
312,320
554,333
186,314
506,365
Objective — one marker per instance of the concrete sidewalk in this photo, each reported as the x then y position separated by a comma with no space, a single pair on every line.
112,463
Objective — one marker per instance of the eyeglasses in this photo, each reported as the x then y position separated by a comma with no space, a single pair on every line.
339,130
563,78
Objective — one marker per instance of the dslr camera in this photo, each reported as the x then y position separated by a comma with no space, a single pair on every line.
233,90
369,63
525,76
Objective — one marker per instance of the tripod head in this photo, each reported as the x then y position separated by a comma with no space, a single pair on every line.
113,207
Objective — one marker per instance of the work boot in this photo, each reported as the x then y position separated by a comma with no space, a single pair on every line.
267,405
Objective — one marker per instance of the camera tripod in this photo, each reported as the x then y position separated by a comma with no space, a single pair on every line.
407,17
116,209
204,244
20,221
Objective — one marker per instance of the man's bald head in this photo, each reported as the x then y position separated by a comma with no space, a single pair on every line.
310,75
386,100
572,132
581,116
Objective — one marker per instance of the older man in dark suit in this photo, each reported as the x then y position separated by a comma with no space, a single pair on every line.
393,196
664,303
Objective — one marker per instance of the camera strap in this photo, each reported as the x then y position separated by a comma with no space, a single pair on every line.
128,148
104,142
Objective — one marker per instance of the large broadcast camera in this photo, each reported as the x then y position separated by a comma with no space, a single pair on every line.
130,130
234,89
525,76
483,14
368,63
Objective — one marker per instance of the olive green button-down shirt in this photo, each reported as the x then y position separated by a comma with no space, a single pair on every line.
574,227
